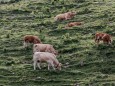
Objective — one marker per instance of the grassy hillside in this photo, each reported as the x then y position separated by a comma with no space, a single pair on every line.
83,62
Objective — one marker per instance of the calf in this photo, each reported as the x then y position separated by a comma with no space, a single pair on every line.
44,48
65,16
50,58
30,39
106,38
71,24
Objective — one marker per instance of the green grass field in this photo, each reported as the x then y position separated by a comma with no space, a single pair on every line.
83,62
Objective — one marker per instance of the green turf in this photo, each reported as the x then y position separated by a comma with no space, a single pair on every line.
83,62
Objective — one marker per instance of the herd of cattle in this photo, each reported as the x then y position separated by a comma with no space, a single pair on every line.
42,52
47,53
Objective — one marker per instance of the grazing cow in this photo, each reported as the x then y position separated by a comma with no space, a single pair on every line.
71,24
106,38
30,39
65,16
50,58
44,48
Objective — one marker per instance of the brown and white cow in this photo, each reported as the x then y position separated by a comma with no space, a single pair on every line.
65,16
39,57
30,39
106,38
44,48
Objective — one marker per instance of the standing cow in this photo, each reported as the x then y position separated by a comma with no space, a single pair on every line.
44,48
30,39
50,58
106,38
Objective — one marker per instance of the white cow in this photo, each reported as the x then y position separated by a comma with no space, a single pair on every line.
50,58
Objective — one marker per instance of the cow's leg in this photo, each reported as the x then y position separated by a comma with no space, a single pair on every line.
35,62
49,66
38,64
28,44
51,63
110,41
68,18
97,41
24,44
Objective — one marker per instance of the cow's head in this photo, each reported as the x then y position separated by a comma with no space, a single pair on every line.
35,49
55,52
72,13
58,66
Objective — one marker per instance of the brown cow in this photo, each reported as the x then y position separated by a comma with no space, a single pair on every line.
65,16
30,39
106,38
71,24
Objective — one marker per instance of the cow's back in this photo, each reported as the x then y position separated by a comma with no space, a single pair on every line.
107,37
44,56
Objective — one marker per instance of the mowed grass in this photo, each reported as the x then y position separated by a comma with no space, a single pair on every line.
83,62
